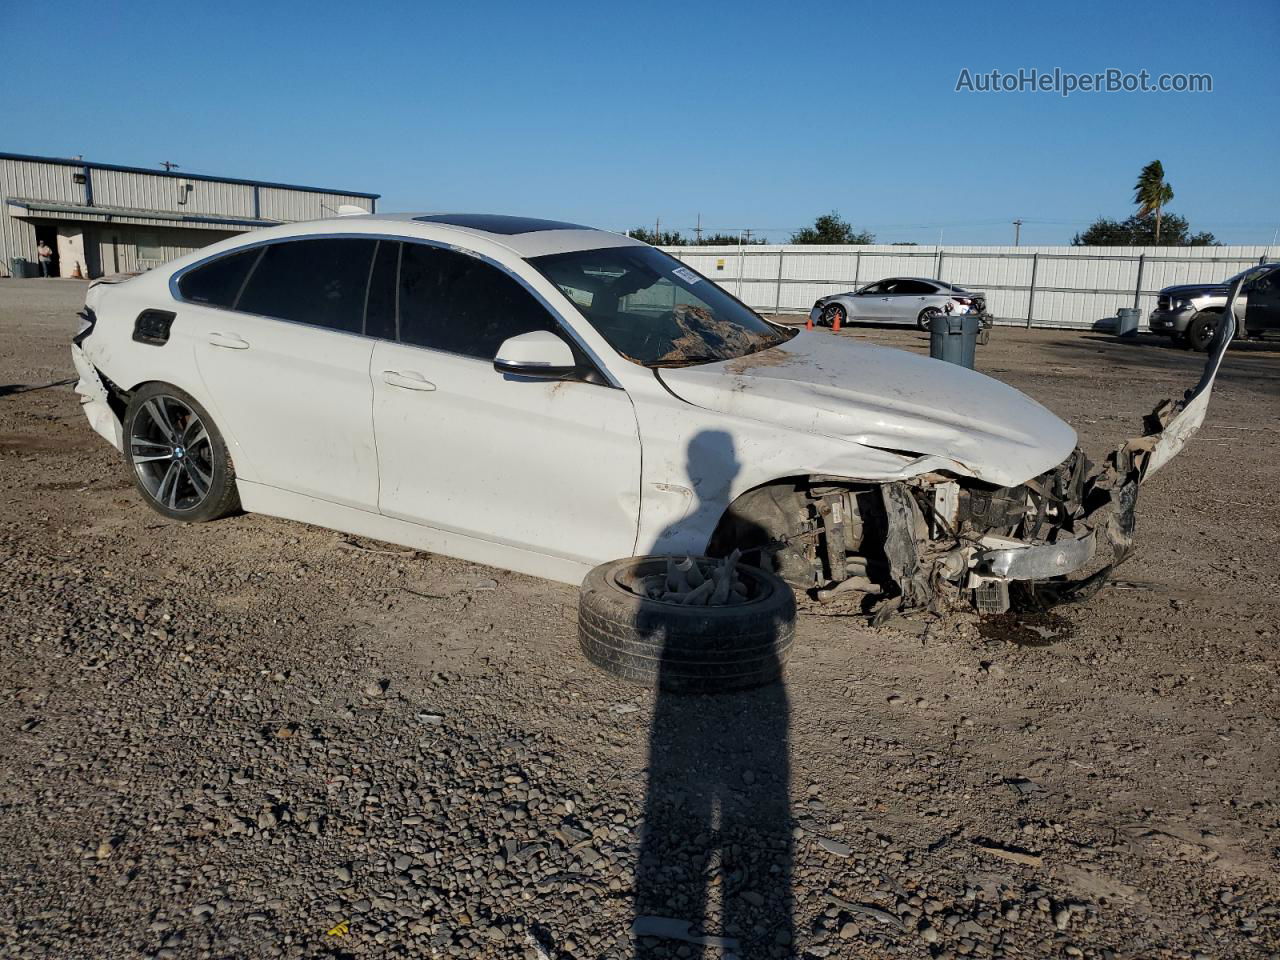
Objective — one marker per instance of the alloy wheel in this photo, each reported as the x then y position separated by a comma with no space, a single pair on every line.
172,453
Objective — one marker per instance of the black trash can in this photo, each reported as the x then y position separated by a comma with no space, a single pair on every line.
952,337
19,267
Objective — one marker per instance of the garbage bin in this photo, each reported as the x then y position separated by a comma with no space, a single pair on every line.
18,267
952,337
1127,321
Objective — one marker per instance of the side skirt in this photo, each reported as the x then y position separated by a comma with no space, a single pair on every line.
260,498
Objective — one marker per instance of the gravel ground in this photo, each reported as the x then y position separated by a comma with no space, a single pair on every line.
255,738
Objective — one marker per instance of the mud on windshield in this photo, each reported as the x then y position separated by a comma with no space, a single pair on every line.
654,310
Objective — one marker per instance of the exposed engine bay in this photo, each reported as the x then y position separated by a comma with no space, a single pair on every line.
941,542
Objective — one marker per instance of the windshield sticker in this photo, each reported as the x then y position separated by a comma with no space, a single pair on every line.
687,275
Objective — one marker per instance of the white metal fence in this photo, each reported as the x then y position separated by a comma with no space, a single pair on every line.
1079,287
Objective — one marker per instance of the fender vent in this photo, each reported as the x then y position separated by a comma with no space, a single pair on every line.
152,326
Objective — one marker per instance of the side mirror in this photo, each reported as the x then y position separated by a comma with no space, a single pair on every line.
537,354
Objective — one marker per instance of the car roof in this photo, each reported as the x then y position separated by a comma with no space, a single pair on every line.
525,236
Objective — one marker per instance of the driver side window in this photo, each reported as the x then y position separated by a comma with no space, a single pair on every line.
459,304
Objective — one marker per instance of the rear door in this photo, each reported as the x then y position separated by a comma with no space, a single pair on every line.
547,466
912,296
287,367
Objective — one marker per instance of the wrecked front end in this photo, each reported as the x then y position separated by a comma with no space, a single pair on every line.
942,541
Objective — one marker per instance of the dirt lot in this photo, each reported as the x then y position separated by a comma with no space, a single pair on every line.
254,738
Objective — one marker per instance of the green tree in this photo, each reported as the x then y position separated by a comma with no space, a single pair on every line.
1143,231
1152,193
727,240
829,228
667,238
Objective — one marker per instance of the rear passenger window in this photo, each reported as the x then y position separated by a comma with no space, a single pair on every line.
218,283
450,301
317,282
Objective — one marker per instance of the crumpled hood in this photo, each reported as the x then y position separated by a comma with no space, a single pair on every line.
885,398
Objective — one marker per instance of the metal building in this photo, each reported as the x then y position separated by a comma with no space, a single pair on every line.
100,218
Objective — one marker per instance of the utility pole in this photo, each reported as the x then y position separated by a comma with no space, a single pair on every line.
168,165
1017,231
697,231
657,227
747,232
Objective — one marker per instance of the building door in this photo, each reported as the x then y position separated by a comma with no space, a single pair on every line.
47,233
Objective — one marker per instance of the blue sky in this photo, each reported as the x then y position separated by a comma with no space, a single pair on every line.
758,115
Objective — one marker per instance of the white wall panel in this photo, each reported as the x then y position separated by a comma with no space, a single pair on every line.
1074,286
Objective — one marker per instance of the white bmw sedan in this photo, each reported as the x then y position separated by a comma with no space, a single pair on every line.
544,397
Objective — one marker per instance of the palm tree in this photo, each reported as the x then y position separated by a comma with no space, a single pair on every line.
1151,193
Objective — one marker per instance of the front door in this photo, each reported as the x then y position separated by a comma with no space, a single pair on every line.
547,466
287,368
873,301
1263,312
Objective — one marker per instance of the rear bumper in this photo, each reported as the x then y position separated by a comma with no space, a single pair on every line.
93,400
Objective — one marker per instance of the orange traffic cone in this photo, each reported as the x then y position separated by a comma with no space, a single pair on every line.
808,324
835,321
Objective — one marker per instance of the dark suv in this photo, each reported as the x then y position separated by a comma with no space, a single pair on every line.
1189,313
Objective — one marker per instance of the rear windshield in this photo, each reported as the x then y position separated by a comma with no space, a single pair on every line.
654,310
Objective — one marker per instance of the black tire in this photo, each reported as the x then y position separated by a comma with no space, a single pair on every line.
196,481
926,317
830,312
1201,329
685,649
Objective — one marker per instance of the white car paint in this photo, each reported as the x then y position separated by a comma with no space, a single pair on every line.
297,399
547,466
444,453
887,399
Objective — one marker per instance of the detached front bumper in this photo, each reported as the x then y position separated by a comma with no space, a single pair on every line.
1107,521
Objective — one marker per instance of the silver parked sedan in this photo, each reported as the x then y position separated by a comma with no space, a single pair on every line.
898,300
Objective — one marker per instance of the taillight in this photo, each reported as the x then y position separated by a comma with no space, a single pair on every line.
88,320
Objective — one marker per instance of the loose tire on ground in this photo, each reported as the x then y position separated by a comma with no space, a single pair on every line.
684,649
177,457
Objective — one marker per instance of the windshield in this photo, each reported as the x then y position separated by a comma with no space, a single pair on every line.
1247,275
654,310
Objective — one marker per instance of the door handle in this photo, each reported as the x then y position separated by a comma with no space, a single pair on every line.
229,340
407,380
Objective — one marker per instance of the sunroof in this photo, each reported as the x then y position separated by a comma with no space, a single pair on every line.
496,223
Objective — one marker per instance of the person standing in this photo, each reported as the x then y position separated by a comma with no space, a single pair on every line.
45,253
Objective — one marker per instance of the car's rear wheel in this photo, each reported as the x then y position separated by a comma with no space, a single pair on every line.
833,313
179,460
927,316
1201,329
